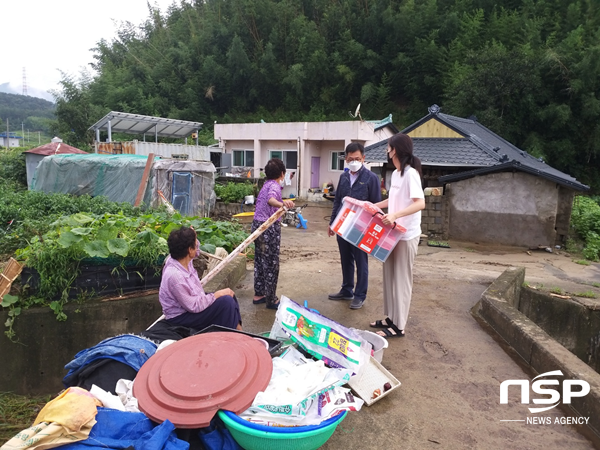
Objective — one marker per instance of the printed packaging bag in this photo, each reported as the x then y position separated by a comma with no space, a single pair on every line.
320,336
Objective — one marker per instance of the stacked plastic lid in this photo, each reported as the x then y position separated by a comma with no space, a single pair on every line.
190,380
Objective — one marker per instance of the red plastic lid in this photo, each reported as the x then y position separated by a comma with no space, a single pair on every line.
190,380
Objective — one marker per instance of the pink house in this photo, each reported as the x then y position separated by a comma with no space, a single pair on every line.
310,150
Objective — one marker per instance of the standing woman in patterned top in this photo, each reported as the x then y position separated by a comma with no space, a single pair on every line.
267,245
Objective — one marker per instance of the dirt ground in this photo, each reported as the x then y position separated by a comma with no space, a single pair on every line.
449,366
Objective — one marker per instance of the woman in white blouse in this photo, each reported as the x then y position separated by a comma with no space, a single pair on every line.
405,202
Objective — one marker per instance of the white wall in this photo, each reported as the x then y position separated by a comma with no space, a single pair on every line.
194,152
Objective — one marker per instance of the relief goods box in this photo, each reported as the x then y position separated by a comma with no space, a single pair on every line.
360,223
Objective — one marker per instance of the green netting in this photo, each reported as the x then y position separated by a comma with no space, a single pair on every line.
116,177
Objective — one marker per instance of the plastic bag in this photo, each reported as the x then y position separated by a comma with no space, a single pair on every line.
320,336
291,398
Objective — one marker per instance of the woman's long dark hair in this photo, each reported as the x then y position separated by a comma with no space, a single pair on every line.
403,145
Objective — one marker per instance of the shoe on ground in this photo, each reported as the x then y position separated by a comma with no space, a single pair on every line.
356,303
340,296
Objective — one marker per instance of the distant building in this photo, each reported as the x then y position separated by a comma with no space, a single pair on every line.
35,155
313,152
12,140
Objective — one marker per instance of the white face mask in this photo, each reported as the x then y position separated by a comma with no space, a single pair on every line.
355,166
281,183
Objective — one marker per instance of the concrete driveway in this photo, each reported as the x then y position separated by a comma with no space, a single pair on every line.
449,366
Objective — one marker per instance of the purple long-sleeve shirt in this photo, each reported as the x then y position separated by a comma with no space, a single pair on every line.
271,189
181,290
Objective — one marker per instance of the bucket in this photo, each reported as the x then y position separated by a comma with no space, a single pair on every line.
249,200
379,343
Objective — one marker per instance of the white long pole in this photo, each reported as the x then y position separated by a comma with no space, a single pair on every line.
260,230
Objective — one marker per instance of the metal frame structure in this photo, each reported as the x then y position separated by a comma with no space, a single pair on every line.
121,122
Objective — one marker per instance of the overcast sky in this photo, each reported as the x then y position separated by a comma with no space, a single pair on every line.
44,36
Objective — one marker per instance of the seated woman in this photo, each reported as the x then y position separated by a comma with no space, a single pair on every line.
181,295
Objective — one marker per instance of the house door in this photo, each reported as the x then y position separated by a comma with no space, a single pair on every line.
315,175
181,192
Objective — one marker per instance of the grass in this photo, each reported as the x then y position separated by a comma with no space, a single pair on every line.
586,294
596,285
556,290
17,412
583,262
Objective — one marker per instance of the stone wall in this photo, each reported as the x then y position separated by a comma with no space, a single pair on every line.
563,214
434,218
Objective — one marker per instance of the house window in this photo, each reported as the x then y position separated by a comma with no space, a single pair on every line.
337,160
243,158
289,158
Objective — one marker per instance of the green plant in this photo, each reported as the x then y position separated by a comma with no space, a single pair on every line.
585,219
556,290
525,284
18,412
583,262
232,192
114,239
12,167
596,285
586,294
9,301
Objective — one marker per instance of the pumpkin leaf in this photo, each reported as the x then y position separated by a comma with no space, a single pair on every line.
118,246
96,249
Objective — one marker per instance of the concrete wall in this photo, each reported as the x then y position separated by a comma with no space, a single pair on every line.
574,325
35,365
503,208
499,308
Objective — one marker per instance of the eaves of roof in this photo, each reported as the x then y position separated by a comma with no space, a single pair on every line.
514,165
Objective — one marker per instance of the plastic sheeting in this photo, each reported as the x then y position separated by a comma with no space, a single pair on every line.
123,430
187,185
116,177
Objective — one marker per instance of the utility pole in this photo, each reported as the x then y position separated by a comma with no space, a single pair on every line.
24,82
23,132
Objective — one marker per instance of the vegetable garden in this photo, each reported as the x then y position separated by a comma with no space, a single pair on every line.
56,235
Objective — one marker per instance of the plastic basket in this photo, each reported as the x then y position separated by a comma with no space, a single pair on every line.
284,429
250,438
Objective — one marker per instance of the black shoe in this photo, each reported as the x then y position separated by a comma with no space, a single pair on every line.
356,303
340,296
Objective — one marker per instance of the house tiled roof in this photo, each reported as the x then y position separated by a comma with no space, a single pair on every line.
480,148
387,122
55,148
440,152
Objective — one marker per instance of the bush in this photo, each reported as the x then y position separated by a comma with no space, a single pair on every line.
585,219
234,192
12,168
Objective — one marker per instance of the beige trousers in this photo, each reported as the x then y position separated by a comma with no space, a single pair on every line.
398,281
